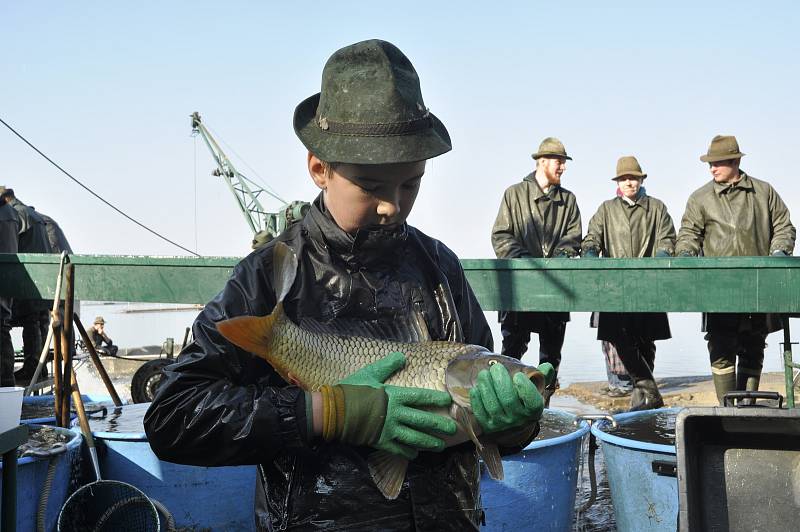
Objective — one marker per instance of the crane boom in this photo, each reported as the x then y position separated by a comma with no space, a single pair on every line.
265,225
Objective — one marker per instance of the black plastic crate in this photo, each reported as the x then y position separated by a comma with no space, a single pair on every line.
738,469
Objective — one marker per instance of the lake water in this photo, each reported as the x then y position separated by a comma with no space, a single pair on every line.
141,324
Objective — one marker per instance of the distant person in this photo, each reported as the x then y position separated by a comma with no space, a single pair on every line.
632,224
735,214
538,218
29,313
9,229
98,336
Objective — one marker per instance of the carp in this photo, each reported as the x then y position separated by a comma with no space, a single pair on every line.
311,355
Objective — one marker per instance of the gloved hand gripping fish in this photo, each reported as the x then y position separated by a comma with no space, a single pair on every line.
317,360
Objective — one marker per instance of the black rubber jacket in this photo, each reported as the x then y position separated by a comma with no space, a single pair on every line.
223,406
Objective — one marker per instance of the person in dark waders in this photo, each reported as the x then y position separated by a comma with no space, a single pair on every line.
368,134
30,314
735,214
633,224
538,218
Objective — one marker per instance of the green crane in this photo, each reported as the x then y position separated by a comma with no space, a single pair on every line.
265,225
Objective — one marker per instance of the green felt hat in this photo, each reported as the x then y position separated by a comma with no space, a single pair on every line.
370,110
722,148
628,165
553,147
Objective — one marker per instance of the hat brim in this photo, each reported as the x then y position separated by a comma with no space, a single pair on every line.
540,155
635,174
356,149
718,158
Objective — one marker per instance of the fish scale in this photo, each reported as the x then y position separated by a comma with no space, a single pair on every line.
319,359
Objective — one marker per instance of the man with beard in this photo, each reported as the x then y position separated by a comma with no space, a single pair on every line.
538,218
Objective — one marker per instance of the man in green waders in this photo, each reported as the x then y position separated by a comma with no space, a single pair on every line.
735,214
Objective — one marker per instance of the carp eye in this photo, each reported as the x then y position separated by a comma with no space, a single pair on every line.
492,362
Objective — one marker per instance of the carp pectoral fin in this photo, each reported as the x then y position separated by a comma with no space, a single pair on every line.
490,454
251,333
388,471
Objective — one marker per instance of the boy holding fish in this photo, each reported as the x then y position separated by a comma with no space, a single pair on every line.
380,389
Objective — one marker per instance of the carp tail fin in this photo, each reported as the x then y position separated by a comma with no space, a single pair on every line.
251,333
388,471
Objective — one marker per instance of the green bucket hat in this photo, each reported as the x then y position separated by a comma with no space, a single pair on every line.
551,146
722,148
370,110
628,165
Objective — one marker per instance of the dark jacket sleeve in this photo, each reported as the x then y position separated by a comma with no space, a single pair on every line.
570,242
665,232
692,231
595,233
470,315
505,241
221,405
783,232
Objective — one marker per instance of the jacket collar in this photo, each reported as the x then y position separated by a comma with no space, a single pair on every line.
367,247
745,182
642,200
554,192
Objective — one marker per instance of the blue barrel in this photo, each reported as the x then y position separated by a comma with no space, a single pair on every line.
202,498
42,401
538,491
32,472
643,484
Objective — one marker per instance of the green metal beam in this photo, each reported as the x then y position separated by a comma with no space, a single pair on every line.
729,284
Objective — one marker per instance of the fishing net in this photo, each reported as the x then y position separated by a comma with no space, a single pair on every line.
108,506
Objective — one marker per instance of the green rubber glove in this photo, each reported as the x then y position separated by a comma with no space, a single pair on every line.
362,410
501,402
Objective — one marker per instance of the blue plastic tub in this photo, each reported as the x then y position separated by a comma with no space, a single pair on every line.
202,498
31,476
44,400
538,492
643,483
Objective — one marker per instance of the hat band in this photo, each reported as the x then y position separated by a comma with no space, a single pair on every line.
390,129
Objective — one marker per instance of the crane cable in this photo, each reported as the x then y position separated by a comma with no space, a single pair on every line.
90,191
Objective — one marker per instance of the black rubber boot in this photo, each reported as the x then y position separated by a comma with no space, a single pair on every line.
723,384
645,396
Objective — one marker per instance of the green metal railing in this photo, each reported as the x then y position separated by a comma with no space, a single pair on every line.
722,284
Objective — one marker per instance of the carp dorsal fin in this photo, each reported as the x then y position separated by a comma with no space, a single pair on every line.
251,333
388,471
284,269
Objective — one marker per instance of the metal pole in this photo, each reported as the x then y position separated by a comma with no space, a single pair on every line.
67,346
788,363
97,363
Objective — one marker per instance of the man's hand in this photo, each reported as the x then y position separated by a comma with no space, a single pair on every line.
501,402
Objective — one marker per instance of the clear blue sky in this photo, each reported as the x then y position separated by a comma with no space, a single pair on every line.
107,91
